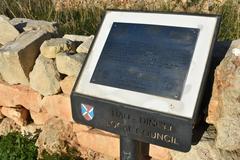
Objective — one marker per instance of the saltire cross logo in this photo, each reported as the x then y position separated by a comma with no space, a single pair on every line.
87,111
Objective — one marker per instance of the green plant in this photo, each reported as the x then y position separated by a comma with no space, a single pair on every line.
14,146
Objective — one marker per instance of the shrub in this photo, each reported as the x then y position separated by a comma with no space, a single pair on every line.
14,146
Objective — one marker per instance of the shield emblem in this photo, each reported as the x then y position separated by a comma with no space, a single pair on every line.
87,111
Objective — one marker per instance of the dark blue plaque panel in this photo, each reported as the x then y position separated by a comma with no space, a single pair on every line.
151,59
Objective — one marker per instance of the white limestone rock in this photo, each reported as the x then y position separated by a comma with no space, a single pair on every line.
236,51
69,64
44,77
51,47
85,46
5,17
18,57
8,32
24,24
78,38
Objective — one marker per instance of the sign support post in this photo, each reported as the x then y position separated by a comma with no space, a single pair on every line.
132,149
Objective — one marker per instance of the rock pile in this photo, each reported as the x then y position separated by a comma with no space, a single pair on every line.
38,71
222,139
37,75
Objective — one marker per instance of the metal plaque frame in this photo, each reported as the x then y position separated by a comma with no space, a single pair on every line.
138,115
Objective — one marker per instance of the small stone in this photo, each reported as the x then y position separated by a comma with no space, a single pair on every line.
58,105
55,136
40,118
19,114
7,126
85,46
23,24
13,95
77,38
17,58
44,77
236,51
54,46
7,31
69,64
67,84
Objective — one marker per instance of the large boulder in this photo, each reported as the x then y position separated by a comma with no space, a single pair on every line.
19,114
18,57
224,107
44,77
14,95
7,31
55,136
69,64
54,46
58,106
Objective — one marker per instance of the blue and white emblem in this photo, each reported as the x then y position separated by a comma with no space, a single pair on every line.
87,111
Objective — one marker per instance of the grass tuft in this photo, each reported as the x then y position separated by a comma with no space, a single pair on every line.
84,19
15,146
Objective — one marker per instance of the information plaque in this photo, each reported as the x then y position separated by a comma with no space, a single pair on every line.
144,76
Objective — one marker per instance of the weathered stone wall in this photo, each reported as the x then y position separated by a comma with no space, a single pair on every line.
37,73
